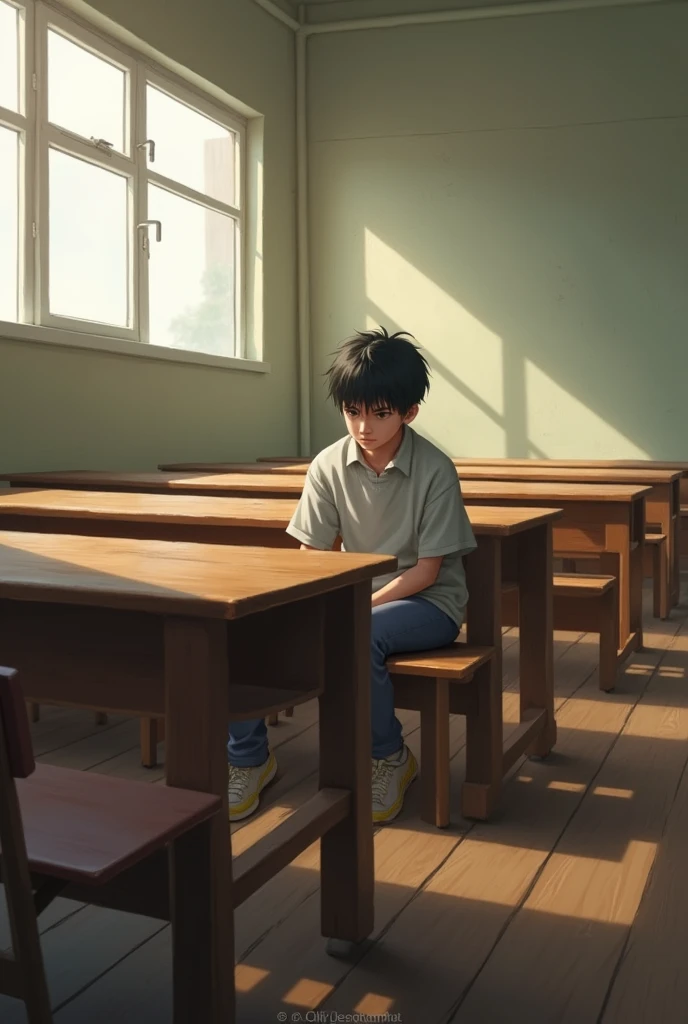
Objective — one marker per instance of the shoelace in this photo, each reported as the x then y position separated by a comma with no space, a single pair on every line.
382,773
238,780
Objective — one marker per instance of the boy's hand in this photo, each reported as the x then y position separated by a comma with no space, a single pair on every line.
413,581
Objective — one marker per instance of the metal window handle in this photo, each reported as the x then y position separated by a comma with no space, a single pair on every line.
143,228
102,144
151,149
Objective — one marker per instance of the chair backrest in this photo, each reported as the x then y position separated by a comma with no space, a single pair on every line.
14,723
21,971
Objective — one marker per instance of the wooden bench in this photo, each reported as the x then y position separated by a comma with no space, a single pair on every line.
684,531
581,602
452,680
60,827
656,566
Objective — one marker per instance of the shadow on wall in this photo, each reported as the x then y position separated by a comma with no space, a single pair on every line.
542,271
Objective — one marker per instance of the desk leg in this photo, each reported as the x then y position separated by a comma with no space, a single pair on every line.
346,851
625,561
536,669
484,729
676,551
197,712
661,512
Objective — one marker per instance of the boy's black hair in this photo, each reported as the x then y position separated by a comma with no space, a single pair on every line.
374,369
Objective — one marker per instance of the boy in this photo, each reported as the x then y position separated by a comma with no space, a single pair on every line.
385,490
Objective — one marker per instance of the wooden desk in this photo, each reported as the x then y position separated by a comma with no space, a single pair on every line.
662,504
297,468
653,464
514,544
178,629
604,520
257,485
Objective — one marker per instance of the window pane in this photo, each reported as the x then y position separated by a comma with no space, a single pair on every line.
85,93
190,148
191,276
9,64
9,225
88,241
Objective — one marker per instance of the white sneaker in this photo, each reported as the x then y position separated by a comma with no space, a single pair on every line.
245,786
392,776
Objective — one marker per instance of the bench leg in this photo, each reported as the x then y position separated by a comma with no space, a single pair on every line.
608,627
434,752
289,712
273,719
34,710
149,742
483,746
101,718
660,582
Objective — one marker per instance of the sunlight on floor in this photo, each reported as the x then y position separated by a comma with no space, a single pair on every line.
247,977
591,889
308,993
613,791
373,1004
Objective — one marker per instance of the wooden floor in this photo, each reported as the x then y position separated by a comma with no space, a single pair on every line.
571,906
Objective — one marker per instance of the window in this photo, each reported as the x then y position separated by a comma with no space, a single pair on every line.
121,195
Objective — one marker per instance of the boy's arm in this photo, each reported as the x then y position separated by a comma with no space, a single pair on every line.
315,522
420,577
444,530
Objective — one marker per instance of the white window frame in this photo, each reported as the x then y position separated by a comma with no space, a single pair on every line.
37,136
182,94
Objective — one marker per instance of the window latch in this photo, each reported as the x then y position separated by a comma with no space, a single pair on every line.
151,149
102,144
143,228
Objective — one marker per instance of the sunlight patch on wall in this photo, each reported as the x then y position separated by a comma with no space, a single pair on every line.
563,426
466,357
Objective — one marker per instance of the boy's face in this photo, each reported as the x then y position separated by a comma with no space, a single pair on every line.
374,428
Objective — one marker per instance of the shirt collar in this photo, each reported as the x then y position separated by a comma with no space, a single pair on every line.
401,461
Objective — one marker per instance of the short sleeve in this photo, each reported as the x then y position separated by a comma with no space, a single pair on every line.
445,528
316,520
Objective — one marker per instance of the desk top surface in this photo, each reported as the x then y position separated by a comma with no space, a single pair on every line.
200,510
172,578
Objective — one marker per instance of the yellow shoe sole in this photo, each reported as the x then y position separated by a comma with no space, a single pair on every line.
379,817
250,806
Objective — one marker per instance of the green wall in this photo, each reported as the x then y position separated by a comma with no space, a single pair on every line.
64,407
512,191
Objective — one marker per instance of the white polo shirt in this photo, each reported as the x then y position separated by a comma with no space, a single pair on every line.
413,510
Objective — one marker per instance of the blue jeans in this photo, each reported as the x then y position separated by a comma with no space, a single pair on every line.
398,627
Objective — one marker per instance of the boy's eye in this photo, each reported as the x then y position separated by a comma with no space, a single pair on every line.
382,414
351,412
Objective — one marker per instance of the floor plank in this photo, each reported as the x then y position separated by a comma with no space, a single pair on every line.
82,948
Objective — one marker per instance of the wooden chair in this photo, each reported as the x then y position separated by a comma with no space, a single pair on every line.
580,602
274,719
451,680
59,827
34,710
153,732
